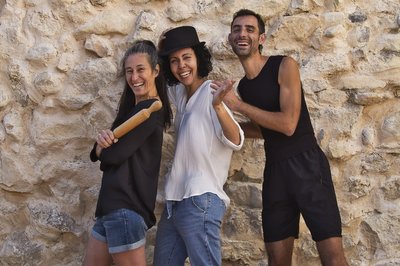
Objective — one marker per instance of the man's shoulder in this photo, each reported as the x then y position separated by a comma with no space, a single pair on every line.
276,58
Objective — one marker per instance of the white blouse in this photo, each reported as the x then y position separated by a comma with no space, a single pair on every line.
202,152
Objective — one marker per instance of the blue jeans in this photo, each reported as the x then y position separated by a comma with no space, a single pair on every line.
121,229
190,227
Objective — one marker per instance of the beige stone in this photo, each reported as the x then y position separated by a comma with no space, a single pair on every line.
101,46
5,95
112,21
44,22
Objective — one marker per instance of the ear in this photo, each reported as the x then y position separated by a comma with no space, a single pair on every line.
157,70
262,38
230,38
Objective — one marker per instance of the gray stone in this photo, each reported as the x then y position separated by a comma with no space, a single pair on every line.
47,83
17,249
2,133
337,122
374,163
363,35
47,215
14,125
396,92
334,31
368,137
384,6
388,262
99,2
248,195
358,55
386,229
92,75
72,99
147,20
391,125
242,223
42,53
179,11
391,188
221,49
389,43
398,19
297,6
17,72
138,1
369,98
358,16
359,186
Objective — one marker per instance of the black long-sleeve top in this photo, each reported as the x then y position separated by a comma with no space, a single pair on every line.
131,168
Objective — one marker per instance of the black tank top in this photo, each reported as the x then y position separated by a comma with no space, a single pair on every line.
263,92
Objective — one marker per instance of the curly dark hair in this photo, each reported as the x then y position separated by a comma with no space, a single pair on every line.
204,64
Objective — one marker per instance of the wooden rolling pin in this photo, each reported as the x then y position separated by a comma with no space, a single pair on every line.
136,120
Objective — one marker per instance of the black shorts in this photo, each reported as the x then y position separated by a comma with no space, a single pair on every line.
300,184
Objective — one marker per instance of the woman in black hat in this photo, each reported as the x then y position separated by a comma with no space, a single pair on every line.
206,135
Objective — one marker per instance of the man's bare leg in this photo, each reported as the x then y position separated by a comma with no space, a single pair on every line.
331,252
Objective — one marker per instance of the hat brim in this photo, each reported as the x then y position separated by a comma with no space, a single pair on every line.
170,51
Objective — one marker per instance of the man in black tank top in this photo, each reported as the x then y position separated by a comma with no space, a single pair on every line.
297,178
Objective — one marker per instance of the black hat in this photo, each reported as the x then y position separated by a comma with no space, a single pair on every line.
178,38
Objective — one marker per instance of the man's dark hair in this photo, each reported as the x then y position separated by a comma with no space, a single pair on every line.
260,21
204,64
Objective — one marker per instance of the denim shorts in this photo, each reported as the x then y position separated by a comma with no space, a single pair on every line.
121,229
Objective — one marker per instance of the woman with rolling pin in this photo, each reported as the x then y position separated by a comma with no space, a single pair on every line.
130,163
206,135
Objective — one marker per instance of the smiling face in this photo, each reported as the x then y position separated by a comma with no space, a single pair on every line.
183,64
245,36
140,76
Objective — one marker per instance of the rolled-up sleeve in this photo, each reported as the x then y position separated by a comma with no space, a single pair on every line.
221,135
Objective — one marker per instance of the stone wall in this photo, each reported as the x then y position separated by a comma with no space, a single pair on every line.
59,86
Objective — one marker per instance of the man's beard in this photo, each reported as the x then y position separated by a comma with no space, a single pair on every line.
242,53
